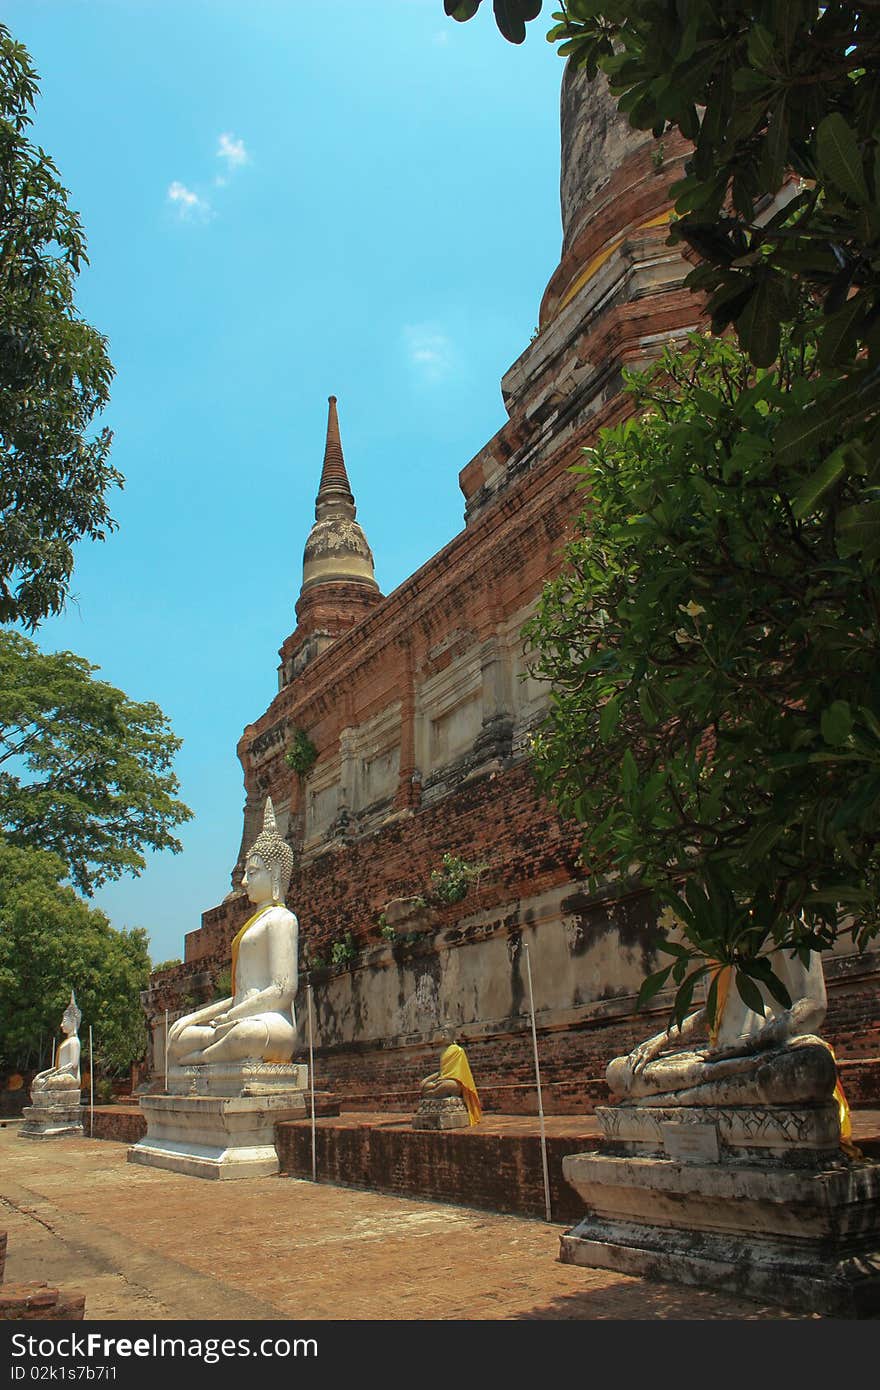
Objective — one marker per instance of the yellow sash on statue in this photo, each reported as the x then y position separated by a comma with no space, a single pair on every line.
454,1066
723,974
843,1114
236,940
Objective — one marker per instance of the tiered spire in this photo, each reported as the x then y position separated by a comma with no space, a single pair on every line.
334,479
336,551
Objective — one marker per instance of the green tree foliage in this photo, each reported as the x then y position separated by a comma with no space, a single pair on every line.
714,651
52,942
54,370
511,16
84,771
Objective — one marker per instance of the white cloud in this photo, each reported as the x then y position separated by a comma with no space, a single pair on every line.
187,203
429,350
232,150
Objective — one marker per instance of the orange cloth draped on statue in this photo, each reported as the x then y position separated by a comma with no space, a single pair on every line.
454,1066
236,940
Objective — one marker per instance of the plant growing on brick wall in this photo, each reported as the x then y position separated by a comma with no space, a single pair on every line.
165,965
386,931
450,883
301,754
343,950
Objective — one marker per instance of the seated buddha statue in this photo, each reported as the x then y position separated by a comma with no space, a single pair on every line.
256,1023
773,1058
453,1079
65,1074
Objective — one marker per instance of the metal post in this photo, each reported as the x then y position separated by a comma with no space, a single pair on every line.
312,1082
52,1063
538,1082
91,1086
166,1052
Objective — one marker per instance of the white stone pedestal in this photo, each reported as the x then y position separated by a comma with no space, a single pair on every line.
444,1112
52,1114
750,1200
222,1125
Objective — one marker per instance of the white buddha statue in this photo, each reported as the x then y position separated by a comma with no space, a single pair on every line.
772,1058
65,1074
257,1022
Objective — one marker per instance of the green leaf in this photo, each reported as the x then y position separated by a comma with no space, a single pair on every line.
674,948
651,985
629,775
840,332
759,324
761,46
799,434
818,483
646,705
749,993
858,531
608,718
837,152
836,723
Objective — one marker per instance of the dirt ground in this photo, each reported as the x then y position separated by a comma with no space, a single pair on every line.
143,1243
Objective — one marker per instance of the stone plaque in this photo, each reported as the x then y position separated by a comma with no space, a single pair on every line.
697,1143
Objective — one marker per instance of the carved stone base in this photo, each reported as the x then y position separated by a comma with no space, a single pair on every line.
749,1200
52,1115
800,1137
445,1112
238,1079
224,1125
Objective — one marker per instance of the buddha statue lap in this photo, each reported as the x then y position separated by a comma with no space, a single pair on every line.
257,1022
774,1059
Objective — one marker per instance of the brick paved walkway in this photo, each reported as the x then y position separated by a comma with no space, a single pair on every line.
142,1243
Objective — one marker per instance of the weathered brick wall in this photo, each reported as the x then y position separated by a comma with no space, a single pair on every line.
498,820
495,1172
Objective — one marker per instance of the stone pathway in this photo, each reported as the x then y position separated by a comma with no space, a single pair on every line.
142,1243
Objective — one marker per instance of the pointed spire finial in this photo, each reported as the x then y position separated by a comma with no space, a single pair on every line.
334,478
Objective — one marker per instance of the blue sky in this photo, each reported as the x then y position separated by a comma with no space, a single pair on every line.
282,200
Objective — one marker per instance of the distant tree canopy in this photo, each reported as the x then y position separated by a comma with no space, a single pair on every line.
713,645
84,771
52,942
54,370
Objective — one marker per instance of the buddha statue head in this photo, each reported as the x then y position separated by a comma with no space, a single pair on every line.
72,1016
269,862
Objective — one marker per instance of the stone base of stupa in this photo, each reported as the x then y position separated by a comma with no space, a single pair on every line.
52,1115
218,1120
444,1112
751,1200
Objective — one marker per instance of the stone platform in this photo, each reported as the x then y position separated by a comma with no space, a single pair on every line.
218,1121
53,1114
760,1201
